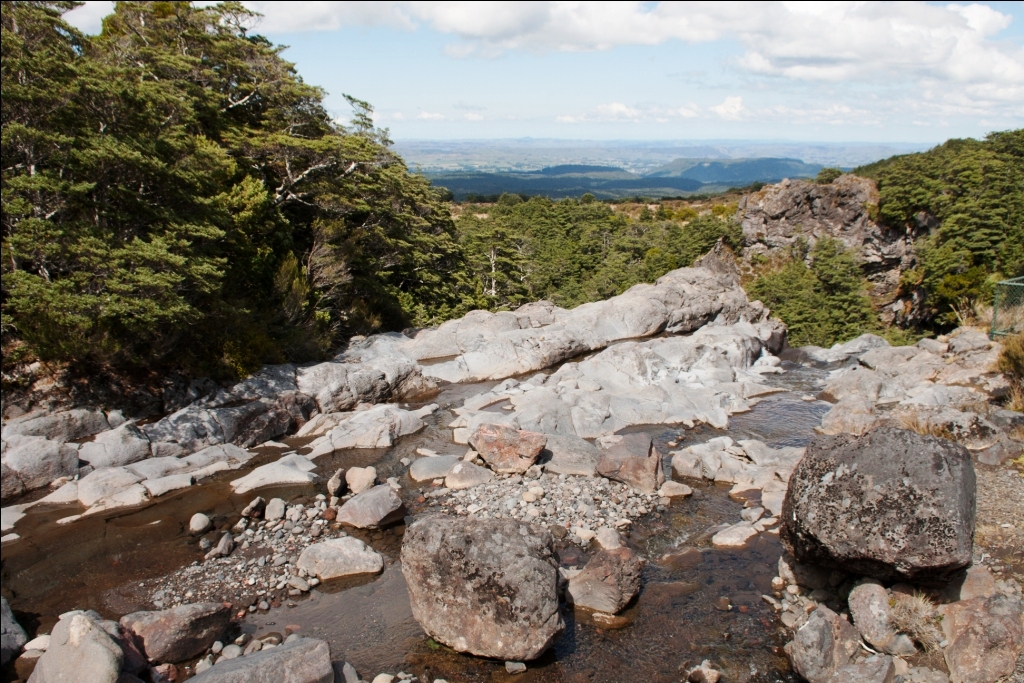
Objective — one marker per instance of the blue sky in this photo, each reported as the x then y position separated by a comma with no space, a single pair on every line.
879,72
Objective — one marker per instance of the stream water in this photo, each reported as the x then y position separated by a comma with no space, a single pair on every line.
697,602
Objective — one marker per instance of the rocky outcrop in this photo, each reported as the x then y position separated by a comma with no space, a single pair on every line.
376,427
291,469
180,633
699,378
487,587
891,504
498,345
776,216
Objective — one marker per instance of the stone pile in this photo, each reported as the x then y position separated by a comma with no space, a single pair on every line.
838,621
269,560
573,507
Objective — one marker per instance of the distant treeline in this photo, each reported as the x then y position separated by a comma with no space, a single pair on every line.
688,176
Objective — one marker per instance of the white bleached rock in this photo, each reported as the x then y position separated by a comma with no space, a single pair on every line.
337,557
291,469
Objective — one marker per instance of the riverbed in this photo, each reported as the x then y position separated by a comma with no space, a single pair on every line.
697,602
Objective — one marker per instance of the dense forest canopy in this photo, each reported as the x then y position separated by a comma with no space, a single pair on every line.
965,200
175,194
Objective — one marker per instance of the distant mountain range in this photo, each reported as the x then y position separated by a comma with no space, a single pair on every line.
679,177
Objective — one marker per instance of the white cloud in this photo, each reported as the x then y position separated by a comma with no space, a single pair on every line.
731,109
473,116
618,112
804,41
430,116
88,17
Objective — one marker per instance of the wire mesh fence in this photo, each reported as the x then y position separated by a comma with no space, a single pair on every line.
1008,308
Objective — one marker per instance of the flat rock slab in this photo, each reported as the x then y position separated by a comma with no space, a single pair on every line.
377,507
436,467
291,469
305,660
735,536
506,449
487,587
337,557
891,504
180,633
172,482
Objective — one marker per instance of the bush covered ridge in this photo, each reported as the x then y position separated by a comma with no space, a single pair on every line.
574,251
965,201
174,194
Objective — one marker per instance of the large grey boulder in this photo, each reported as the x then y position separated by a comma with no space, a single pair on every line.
823,645
304,660
570,455
891,504
487,587
80,650
34,462
337,557
608,582
632,459
180,633
12,635
379,506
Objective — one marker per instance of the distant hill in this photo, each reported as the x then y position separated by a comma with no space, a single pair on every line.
571,169
739,171
607,183
680,177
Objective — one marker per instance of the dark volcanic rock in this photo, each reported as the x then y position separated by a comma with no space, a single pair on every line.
487,587
891,504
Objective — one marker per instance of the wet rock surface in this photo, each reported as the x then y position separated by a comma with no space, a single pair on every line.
484,587
608,582
890,504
